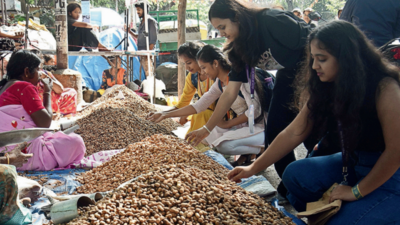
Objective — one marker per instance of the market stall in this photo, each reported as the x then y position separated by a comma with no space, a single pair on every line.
122,146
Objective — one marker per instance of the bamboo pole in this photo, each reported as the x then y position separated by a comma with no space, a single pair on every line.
181,40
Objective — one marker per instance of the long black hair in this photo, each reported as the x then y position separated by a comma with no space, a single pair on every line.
209,53
361,68
71,7
47,58
244,49
18,62
190,49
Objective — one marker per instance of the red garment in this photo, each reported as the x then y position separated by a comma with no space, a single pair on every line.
22,93
64,103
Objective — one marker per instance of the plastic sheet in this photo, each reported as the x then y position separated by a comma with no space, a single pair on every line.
68,186
256,184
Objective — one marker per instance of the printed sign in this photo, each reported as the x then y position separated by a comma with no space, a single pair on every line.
85,4
61,7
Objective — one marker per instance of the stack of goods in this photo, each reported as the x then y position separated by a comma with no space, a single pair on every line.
178,194
114,128
145,156
131,102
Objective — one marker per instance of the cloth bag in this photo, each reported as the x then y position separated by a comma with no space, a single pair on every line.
319,212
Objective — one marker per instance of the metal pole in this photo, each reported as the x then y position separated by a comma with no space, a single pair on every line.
5,11
26,26
126,44
2,11
116,5
61,34
146,25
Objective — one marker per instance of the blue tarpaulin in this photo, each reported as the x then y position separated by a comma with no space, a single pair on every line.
92,67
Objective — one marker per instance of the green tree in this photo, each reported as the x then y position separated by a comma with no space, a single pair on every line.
202,5
327,8
109,4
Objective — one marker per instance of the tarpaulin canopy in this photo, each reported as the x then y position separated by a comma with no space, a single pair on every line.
106,17
92,67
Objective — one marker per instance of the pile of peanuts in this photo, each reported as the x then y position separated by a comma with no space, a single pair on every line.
142,157
114,128
178,194
131,102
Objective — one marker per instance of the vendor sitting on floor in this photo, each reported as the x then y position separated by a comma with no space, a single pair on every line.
63,100
231,137
79,33
21,108
116,75
196,82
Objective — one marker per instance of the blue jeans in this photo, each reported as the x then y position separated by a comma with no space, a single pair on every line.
307,179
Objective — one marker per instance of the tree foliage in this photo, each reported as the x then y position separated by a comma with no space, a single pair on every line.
109,4
327,8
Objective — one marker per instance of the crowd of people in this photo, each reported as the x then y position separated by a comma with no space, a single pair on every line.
333,91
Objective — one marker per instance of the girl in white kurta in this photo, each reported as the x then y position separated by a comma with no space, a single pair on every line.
231,137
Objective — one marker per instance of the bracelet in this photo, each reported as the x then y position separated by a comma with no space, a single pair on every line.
207,129
8,158
356,192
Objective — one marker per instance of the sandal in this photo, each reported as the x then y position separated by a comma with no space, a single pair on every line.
248,161
245,163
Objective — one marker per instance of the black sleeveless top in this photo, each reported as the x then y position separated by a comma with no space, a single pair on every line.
371,134
369,137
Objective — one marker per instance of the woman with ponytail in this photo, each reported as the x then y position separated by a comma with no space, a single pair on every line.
196,82
231,136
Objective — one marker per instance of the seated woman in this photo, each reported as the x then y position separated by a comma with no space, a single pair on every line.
351,91
21,107
63,100
196,82
231,137
49,60
116,75
79,33
12,197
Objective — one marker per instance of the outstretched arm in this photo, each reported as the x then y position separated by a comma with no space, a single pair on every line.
224,104
286,141
82,25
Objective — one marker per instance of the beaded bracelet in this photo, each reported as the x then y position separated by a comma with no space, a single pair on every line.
356,192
